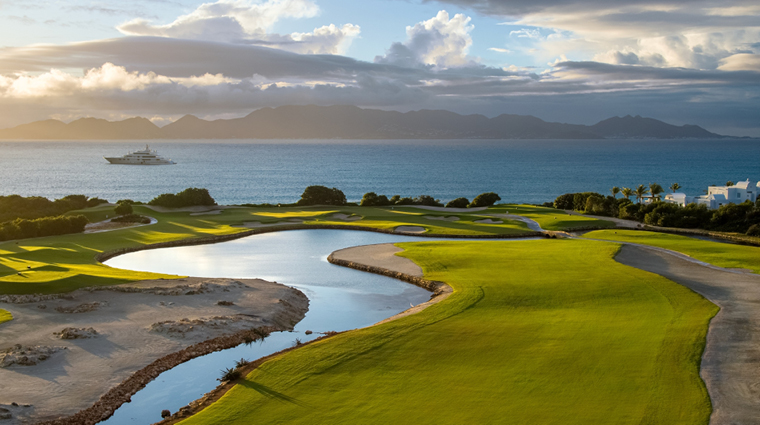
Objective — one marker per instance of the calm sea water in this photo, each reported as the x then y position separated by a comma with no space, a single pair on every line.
246,171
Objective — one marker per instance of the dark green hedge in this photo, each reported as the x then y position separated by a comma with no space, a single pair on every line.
47,226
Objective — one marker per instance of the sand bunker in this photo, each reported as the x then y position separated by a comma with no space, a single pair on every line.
62,353
107,225
409,229
346,217
488,221
441,218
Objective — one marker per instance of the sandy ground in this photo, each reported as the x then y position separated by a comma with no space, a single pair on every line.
409,229
384,256
489,221
346,217
449,218
532,224
444,209
730,361
129,335
107,225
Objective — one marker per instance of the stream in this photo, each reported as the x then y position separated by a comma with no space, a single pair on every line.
339,299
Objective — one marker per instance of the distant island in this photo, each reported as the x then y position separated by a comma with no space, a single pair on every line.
351,122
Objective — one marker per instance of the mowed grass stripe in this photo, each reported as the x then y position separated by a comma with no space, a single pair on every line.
716,253
542,331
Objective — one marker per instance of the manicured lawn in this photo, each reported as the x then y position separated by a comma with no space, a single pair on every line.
554,219
536,332
64,263
716,253
5,316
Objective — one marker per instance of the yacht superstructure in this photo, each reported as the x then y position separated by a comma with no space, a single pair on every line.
141,157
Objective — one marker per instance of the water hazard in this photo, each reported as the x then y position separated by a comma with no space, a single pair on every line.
340,299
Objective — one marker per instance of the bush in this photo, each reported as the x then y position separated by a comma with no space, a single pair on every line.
229,374
123,209
754,230
428,201
371,199
189,197
405,201
564,202
94,202
458,203
15,206
131,218
321,195
484,200
46,226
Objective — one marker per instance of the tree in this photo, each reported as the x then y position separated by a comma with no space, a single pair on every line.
427,200
321,195
640,191
123,208
656,190
371,199
458,203
674,187
484,200
615,190
564,202
729,183
627,192
187,198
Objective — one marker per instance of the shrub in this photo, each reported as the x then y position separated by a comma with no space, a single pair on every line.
371,199
123,209
46,226
484,200
189,197
94,202
564,202
754,230
229,374
427,200
458,203
131,218
321,195
405,201
242,362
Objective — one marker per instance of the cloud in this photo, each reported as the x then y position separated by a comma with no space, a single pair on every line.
499,50
241,21
741,62
441,41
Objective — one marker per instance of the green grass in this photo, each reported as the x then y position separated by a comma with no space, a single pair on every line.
5,316
554,219
716,253
64,263
536,332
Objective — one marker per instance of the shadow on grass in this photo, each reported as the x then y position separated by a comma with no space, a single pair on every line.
270,393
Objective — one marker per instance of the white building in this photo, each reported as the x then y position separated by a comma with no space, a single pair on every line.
719,195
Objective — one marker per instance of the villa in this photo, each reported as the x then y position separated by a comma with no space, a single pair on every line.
719,195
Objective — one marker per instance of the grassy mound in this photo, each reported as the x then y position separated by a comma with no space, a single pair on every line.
554,219
716,253
536,332
5,316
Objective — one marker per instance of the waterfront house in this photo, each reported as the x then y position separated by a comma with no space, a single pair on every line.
718,196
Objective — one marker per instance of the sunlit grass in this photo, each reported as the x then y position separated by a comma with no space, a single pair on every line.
552,218
716,253
5,316
536,332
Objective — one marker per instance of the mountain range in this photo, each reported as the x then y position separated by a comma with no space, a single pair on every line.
350,122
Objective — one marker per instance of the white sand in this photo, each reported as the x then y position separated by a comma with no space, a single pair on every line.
449,218
729,363
346,217
488,221
409,229
108,226
75,378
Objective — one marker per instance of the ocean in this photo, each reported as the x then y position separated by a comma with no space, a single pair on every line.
267,171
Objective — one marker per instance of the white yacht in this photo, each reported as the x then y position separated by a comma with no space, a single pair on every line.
142,157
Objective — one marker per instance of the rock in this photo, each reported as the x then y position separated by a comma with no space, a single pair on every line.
308,332
225,303
77,333
82,308
27,356
42,306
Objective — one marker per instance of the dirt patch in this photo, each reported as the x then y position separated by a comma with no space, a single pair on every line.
29,355
440,218
77,333
74,379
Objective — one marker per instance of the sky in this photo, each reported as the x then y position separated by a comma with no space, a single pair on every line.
681,61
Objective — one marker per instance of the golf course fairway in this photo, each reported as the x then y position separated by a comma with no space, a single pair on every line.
536,332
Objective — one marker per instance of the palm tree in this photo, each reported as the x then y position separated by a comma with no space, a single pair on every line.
615,190
627,192
640,192
674,187
656,190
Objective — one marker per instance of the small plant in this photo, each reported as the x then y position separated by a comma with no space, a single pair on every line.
242,362
229,374
225,303
297,343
